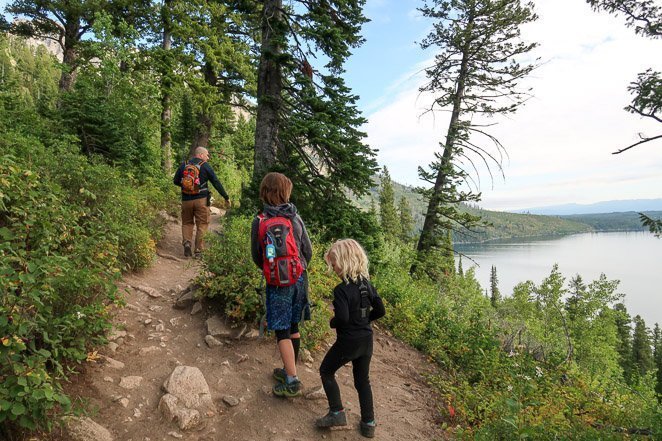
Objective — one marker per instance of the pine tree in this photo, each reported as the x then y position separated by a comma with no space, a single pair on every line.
642,356
307,120
577,292
475,73
406,220
624,348
69,23
460,270
495,296
387,212
657,357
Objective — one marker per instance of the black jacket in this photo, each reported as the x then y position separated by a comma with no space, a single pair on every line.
346,303
207,175
300,234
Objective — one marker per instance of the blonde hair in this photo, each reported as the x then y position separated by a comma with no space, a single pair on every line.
350,259
275,189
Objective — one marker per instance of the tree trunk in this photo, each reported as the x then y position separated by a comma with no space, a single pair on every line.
426,241
69,56
269,86
205,116
166,85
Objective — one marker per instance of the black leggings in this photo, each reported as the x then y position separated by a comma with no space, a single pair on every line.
359,352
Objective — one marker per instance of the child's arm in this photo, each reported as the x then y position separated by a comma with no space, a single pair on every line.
378,311
341,309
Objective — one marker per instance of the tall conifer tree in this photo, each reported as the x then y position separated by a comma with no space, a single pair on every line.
307,120
495,294
642,355
387,212
406,219
475,73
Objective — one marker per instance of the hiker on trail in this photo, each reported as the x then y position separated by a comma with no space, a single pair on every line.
193,177
280,246
356,304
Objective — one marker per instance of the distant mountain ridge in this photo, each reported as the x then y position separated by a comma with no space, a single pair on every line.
615,206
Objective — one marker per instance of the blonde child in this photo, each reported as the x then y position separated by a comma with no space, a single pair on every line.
356,304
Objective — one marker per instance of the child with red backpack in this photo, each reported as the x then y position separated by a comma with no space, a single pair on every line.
280,246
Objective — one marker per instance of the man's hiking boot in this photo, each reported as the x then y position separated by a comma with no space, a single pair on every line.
288,390
187,249
332,419
280,375
198,255
368,429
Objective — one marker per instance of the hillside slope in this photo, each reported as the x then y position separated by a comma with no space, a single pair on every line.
152,339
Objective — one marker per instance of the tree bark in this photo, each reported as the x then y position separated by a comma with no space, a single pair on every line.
69,56
166,85
269,87
426,240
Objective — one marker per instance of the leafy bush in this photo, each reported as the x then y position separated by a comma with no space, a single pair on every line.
230,278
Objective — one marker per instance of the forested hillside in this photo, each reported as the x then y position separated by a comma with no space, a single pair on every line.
88,147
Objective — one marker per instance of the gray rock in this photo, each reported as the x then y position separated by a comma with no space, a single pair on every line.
148,350
130,382
216,327
115,334
113,346
147,290
212,342
190,387
230,400
197,308
112,363
306,357
85,429
185,300
315,394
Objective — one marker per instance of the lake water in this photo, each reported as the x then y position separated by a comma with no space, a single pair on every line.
634,258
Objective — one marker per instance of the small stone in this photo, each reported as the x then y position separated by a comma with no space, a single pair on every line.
315,394
120,341
225,363
216,327
147,290
108,379
242,358
185,300
124,402
112,363
147,322
212,342
197,308
137,413
306,357
174,321
160,327
155,308
149,350
130,382
115,334
176,435
253,333
230,400
113,346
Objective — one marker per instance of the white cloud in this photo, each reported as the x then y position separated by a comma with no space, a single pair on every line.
560,142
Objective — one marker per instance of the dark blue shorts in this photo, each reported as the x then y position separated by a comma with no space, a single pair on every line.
287,305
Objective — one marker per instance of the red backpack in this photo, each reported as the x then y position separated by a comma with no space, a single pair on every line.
191,178
281,263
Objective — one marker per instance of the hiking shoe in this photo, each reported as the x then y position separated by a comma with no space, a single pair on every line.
198,254
288,390
187,249
280,375
332,419
368,429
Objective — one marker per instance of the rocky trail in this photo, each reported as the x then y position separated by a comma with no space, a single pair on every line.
220,386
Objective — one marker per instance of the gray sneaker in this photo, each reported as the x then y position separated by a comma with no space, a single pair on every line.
368,429
332,419
187,249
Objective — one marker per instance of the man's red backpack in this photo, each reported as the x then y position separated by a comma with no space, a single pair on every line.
281,263
191,178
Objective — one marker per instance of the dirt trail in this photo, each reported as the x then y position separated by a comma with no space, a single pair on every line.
159,338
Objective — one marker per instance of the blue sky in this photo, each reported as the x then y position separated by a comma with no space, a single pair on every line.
559,144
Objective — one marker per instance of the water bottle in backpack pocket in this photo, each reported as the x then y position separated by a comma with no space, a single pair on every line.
281,261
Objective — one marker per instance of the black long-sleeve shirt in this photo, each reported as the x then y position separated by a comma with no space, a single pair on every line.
207,175
347,305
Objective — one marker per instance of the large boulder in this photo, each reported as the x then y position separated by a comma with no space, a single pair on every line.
187,397
85,429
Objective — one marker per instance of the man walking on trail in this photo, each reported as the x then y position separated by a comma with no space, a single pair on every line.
193,177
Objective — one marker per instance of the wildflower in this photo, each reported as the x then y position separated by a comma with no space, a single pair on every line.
79,315
512,353
510,388
538,371
527,378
